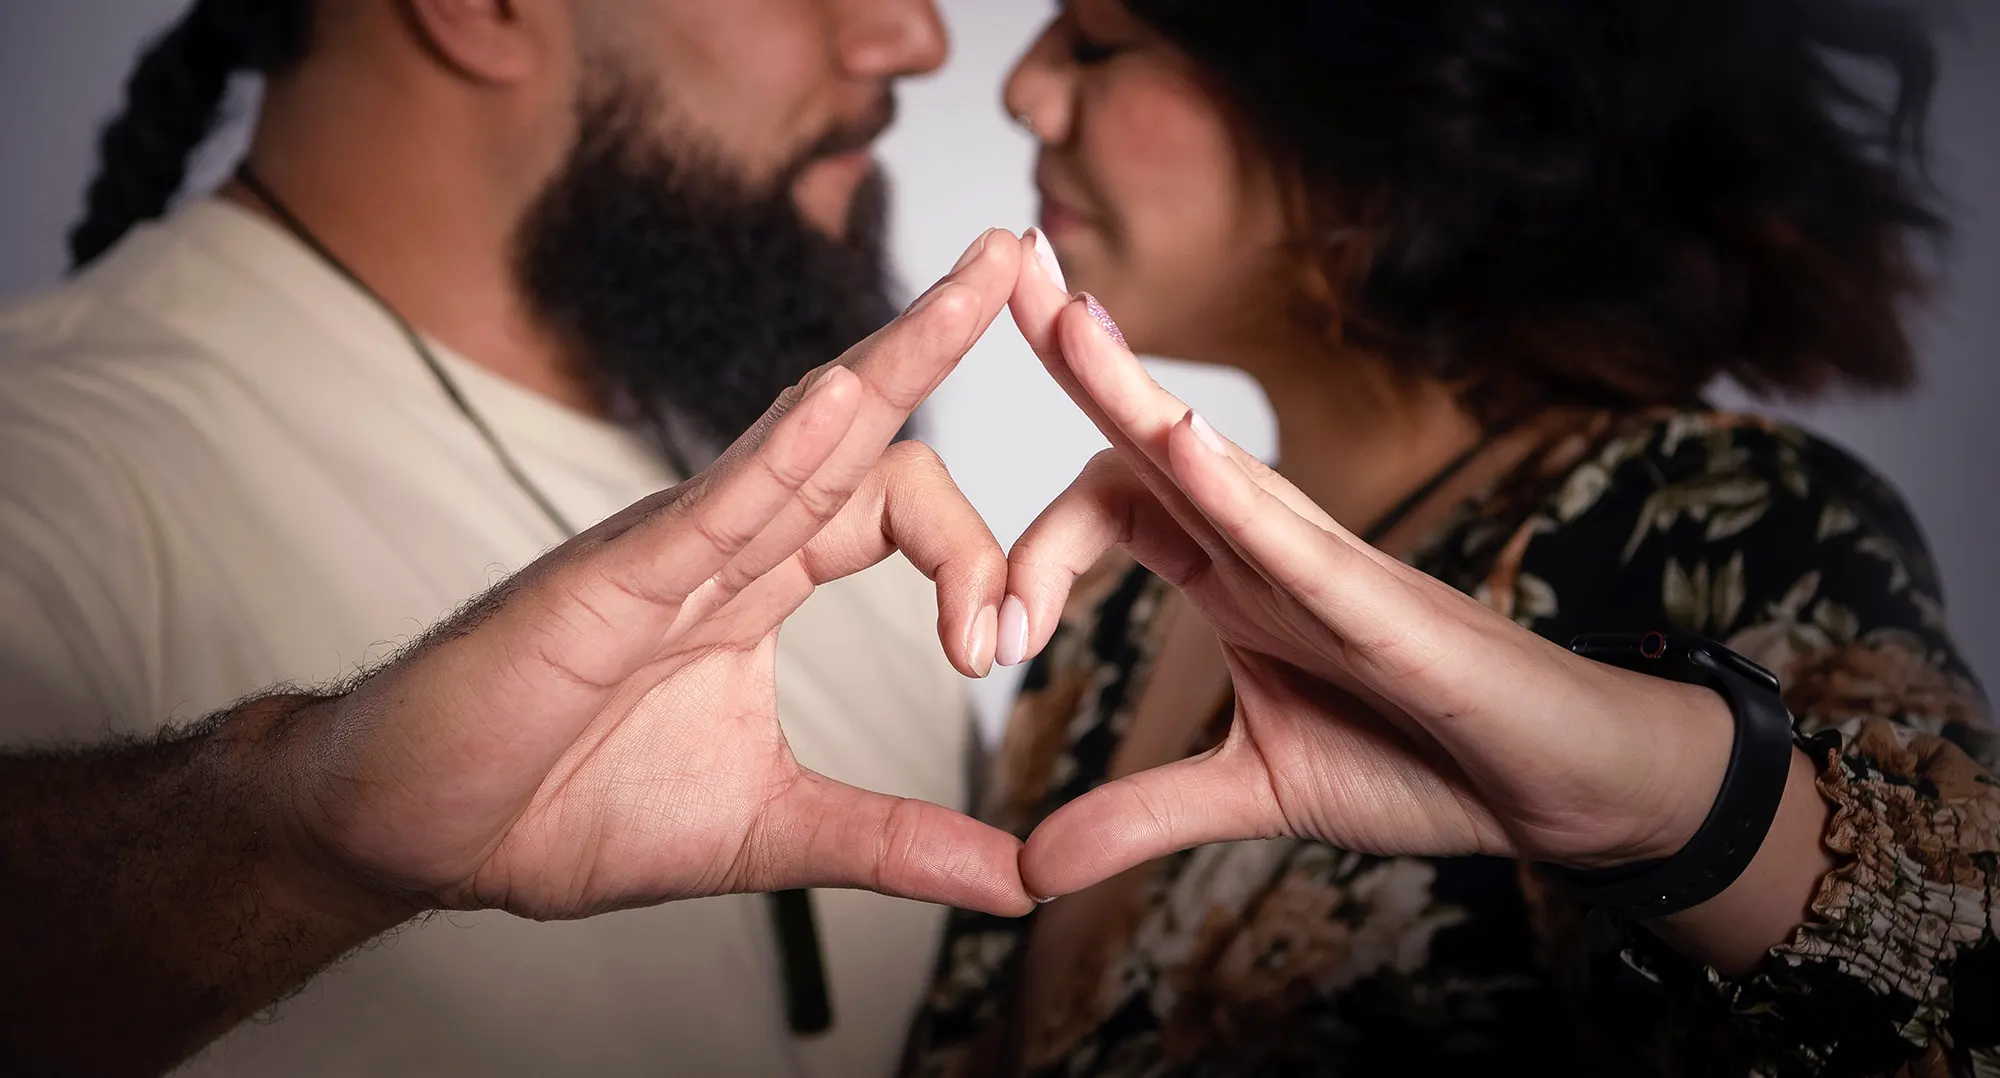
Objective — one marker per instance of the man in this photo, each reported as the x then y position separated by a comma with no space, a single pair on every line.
493,266
153,894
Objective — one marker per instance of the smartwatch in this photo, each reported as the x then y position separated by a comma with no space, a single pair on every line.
1759,765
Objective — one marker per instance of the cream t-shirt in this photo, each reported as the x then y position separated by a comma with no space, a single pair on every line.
222,467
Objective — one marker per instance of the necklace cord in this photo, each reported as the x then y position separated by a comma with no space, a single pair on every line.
1415,499
807,1000
256,186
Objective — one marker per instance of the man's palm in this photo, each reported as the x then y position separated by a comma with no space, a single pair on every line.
602,731
658,799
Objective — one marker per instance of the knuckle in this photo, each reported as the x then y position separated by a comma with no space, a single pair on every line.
721,536
786,474
819,501
1158,814
1105,463
901,838
913,456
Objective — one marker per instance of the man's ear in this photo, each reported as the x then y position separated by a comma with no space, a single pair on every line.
496,41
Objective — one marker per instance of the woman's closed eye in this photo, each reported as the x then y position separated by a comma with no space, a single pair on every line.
1088,53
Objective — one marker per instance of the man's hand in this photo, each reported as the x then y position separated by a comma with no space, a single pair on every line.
603,733
599,732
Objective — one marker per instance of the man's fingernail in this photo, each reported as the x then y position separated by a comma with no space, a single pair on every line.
813,382
1012,649
971,255
929,295
1045,901
1045,257
1207,435
978,248
1103,318
979,641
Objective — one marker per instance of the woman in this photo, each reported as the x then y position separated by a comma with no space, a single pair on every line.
1483,255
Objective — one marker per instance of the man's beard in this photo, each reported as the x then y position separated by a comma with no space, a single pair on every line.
690,299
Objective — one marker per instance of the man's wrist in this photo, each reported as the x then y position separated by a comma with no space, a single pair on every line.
258,753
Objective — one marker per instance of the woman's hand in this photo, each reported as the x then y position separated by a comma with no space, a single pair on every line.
602,731
1377,709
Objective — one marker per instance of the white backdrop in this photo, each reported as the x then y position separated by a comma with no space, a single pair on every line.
1009,436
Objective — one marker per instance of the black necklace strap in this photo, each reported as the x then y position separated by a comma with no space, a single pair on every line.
1413,500
256,186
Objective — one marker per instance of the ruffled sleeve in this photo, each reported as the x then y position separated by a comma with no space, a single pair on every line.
1791,552
1896,969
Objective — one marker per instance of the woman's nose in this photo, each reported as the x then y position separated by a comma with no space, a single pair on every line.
1039,91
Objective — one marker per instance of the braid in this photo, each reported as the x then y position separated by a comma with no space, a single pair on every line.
172,101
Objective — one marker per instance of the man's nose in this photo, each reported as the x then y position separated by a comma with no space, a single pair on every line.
883,39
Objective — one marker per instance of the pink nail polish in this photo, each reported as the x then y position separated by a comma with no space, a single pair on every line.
1103,318
1012,648
1209,437
1045,257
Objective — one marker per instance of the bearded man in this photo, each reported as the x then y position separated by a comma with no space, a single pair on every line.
490,271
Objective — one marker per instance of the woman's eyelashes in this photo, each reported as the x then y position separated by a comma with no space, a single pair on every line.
1087,52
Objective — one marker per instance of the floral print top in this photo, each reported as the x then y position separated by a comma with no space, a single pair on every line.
1294,958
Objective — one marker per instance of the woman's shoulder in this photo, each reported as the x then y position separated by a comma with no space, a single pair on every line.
1686,487
1726,471
1609,487
1751,531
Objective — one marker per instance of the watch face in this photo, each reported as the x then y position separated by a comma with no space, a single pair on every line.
1743,666
1675,651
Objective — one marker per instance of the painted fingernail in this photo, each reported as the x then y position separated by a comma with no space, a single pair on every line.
1209,436
1045,257
1103,318
978,248
1012,649
980,639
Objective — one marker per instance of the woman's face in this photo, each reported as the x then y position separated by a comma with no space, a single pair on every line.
1145,190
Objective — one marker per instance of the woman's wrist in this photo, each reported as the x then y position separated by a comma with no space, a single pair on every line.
1667,790
1660,790
1696,736
1773,897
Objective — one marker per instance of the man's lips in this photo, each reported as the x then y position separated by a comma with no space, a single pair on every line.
859,134
848,161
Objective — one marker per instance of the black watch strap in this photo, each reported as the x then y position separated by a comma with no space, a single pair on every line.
1752,787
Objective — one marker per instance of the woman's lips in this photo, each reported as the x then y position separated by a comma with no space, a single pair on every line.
1057,218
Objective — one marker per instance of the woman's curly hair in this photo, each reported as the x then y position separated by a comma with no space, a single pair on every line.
1601,201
